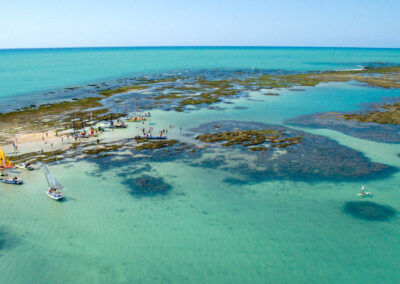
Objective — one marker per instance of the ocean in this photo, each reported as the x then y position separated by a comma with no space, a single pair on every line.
215,223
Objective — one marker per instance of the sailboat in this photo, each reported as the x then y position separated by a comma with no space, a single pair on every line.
120,124
136,119
82,134
54,186
136,116
363,192
4,162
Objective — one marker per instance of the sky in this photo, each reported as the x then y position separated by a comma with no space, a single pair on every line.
87,23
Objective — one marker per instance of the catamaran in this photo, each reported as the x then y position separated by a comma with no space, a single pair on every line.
54,190
137,116
6,164
135,119
120,124
82,134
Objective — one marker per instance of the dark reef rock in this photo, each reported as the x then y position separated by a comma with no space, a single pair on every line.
154,144
253,137
147,186
235,181
240,107
369,211
7,240
214,162
315,158
371,131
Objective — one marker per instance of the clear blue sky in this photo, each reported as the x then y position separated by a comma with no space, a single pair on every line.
45,23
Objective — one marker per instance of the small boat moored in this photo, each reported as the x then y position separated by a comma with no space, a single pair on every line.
25,166
120,124
81,135
136,119
151,137
14,180
146,114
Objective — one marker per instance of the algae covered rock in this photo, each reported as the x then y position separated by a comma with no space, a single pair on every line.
289,154
369,211
147,185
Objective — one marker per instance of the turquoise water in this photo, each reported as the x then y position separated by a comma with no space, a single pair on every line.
205,230
34,70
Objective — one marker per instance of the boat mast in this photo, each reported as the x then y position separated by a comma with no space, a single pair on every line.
73,123
15,149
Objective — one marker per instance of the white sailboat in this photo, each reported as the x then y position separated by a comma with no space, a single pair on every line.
25,166
54,190
363,192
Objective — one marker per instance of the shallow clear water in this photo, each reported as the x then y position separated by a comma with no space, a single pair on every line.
205,230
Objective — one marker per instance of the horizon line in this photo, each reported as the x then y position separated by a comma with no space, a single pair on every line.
195,46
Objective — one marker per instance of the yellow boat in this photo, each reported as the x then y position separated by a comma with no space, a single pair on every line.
4,162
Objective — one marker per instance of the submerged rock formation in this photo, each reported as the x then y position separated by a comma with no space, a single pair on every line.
369,211
358,125
146,185
312,158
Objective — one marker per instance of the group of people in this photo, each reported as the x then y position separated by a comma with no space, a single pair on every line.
84,134
147,133
161,133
